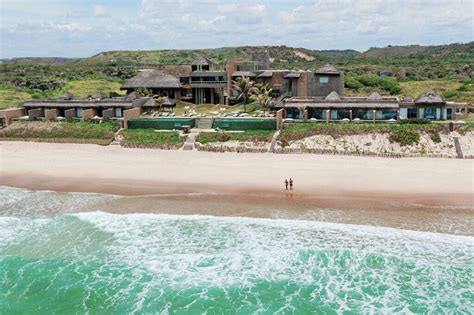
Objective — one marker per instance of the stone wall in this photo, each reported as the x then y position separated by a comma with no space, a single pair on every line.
9,114
336,83
35,113
130,114
108,113
70,113
88,114
51,114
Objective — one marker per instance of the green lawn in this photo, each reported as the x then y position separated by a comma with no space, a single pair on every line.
59,130
247,136
150,136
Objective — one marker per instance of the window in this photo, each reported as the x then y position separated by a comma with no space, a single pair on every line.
118,112
461,110
323,80
184,80
78,112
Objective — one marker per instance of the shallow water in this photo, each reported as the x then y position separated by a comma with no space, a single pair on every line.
57,254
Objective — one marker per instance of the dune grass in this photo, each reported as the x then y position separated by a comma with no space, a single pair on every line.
405,134
59,130
150,136
245,136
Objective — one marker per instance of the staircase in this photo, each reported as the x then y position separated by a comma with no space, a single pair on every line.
190,140
205,123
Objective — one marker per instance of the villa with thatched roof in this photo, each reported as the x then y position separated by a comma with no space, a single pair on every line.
372,108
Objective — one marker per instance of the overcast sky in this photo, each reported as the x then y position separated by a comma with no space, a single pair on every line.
74,28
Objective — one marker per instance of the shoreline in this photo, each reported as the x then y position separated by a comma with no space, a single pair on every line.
419,194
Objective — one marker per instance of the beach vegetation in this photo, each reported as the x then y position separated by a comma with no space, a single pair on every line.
435,137
404,134
405,137
150,136
245,136
59,130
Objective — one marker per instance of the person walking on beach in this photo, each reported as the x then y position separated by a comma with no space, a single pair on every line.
291,184
286,184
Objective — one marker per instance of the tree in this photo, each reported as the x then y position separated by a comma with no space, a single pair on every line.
245,87
262,95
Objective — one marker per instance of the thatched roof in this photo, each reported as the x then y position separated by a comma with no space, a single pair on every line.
99,96
90,102
292,75
85,103
66,96
408,99
333,96
132,96
374,96
344,105
153,79
327,69
243,74
265,74
430,97
201,61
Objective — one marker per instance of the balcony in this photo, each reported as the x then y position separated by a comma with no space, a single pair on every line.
208,84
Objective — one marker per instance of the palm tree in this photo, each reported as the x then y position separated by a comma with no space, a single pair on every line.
245,87
262,95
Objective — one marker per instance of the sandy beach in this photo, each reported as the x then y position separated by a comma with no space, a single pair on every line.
416,193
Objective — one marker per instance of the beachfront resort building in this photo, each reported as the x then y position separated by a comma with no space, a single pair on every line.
298,95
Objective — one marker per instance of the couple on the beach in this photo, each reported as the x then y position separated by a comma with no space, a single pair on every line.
289,182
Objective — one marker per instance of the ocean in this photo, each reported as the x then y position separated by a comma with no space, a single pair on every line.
58,254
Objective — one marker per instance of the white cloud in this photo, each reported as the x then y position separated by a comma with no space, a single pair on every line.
70,26
99,10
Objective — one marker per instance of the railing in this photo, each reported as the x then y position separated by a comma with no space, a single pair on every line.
208,83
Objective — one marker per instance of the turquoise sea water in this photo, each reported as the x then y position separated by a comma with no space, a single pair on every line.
58,255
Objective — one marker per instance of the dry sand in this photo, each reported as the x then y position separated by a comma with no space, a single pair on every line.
415,193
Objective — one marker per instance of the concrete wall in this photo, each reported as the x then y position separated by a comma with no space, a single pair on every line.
87,114
51,114
9,114
70,113
336,83
108,113
35,113
130,114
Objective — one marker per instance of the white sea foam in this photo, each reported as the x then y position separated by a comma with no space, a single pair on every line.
153,254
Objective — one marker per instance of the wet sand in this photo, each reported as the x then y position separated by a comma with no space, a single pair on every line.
419,194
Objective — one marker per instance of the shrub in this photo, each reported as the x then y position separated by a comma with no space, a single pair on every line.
248,136
150,136
450,94
405,136
416,121
436,138
352,83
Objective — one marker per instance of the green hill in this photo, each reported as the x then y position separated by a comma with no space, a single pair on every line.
451,67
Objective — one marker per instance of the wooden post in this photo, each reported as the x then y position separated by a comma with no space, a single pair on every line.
373,113
305,113
350,114
328,115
